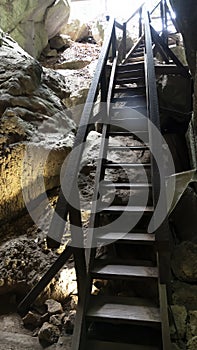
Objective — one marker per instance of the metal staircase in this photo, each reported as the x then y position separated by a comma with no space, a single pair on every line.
130,255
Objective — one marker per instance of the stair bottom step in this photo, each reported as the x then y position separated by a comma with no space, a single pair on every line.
102,345
126,334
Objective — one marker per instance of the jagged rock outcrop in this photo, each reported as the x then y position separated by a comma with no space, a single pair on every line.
186,13
37,132
33,22
184,263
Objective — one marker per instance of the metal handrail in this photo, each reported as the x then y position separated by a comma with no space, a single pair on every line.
158,183
135,13
162,236
155,7
57,225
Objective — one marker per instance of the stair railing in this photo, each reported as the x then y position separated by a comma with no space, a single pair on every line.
162,233
158,179
123,27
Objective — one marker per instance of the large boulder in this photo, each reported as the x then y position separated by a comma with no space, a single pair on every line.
37,132
56,17
32,23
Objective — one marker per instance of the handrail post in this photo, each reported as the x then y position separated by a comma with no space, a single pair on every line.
140,22
124,39
166,20
114,42
163,11
163,232
103,85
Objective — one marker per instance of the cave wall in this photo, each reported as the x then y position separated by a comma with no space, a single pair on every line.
186,15
33,22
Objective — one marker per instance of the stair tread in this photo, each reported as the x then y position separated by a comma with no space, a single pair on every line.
114,309
129,112
127,208
127,165
124,261
133,124
128,133
137,54
129,89
102,269
139,98
129,80
123,148
129,66
128,237
105,345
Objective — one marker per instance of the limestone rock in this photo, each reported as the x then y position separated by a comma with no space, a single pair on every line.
29,22
49,333
77,30
34,124
192,324
192,343
184,264
22,263
32,319
53,307
50,53
56,320
184,294
180,318
60,41
64,342
56,17
73,64
69,322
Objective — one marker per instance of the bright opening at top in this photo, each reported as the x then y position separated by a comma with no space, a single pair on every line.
87,10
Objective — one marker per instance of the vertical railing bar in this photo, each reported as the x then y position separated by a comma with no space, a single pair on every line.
140,22
162,233
124,39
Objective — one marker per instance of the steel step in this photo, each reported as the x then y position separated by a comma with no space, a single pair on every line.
135,99
134,111
129,67
126,148
102,270
136,59
128,238
115,209
128,310
129,80
134,73
105,345
128,95
135,89
138,54
125,185
126,165
131,124
140,135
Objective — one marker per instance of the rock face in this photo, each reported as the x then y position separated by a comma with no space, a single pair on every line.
32,23
184,263
186,13
37,132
